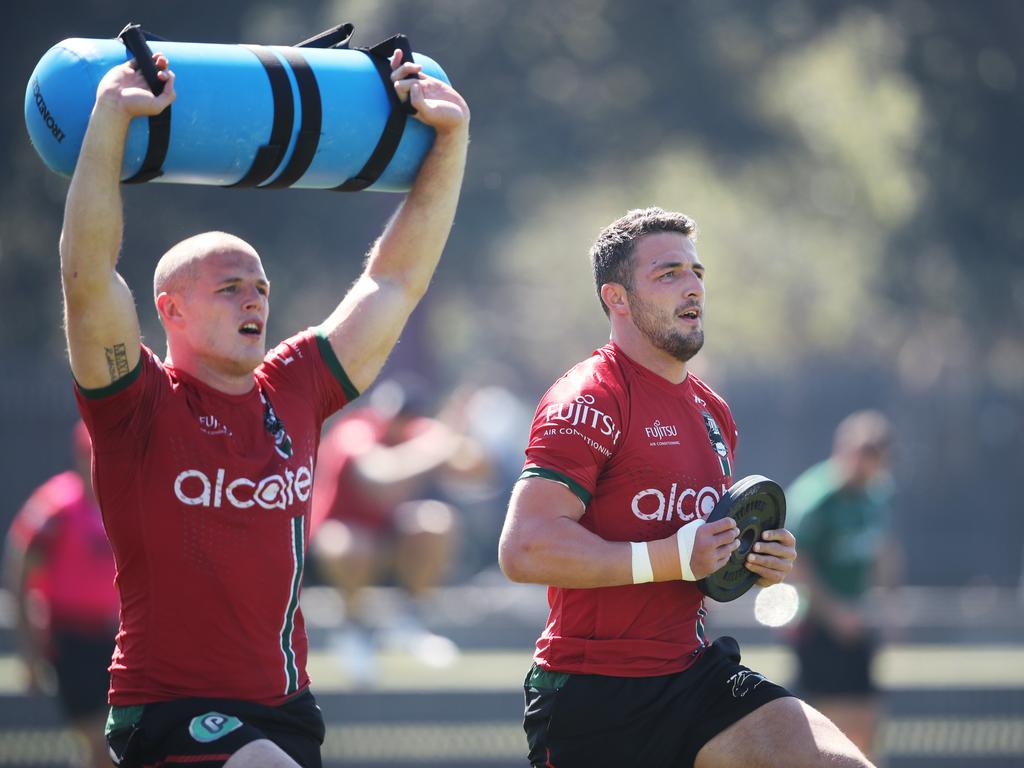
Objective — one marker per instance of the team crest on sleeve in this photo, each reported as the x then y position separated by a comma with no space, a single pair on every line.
581,419
717,442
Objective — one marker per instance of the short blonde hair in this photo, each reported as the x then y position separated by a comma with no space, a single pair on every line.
179,266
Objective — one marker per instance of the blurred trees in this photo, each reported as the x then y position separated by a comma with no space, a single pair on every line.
853,167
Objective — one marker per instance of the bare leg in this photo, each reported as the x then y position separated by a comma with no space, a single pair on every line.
90,731
856,716
348,557
423,553
785,732
426,542
262,753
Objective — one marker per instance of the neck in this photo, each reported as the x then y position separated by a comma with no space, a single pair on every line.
218,379
640,350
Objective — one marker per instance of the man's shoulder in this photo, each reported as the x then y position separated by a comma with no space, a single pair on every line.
597,376
299,348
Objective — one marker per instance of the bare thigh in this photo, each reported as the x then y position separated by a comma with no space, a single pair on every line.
262,753
786,732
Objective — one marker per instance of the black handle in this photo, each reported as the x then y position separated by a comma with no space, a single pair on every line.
135,41
335,37
385,48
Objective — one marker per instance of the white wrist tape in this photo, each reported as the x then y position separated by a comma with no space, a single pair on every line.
643,572
684,540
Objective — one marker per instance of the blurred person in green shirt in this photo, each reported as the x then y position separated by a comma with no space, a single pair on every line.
839,510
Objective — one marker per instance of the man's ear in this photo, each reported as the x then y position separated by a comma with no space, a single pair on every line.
168,307
615,298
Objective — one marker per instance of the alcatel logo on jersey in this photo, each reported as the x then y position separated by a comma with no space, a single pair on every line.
654,504
582,412
195,488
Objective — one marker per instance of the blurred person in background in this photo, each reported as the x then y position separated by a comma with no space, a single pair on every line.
59,569
485,408
379,517
839,510
628,455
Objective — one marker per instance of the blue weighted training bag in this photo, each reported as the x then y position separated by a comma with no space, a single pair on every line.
317,116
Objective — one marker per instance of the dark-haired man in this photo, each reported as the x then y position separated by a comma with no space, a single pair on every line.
628,454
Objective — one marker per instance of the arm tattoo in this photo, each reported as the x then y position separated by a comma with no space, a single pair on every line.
117,362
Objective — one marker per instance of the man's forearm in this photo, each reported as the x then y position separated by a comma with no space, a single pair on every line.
410,247
565,554
93,219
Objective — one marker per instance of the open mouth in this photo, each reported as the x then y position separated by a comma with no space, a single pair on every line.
691,313
251,328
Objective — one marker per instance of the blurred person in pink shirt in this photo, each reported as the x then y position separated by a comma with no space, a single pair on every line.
60,571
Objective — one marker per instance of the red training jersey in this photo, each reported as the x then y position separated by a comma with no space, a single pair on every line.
61,523
205,498
645,457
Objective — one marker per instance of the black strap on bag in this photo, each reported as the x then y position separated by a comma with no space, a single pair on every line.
134,39
394,128
312,118
269,156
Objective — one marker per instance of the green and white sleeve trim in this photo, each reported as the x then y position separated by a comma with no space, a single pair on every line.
550,474
327,353
291,667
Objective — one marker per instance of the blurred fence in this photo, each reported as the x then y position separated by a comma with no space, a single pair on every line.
953,683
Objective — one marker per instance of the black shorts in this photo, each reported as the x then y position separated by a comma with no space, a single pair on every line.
205,732
829,666
80,662
577,721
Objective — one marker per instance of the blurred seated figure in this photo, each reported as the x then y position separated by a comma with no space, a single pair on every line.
60,571
839,510
378,519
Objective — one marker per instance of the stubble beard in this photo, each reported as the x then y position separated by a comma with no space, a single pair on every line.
681,346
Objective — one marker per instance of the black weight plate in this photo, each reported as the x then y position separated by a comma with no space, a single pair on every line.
757,504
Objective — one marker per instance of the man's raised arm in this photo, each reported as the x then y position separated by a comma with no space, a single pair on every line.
366,325
101,322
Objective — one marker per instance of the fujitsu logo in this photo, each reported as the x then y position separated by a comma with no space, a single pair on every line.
661,431
210,426
582,412
195,488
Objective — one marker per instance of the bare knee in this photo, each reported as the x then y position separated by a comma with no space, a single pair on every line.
262,753
346,555
786,732
428,517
